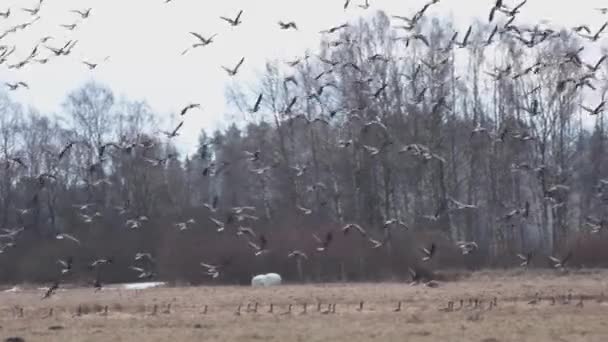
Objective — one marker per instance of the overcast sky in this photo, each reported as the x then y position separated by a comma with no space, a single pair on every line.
145,38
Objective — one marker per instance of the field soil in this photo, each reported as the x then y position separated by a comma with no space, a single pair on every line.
485,306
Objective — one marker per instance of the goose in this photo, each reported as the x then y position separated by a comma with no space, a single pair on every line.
602,10
234,22
297,254
233,71
189,107
365,5
355,226
202,41
560,263
69,27
261,247
173,133
144,256
465,40
246,231
288,25
6,13
33,11
15,86
335,28
467,247
460,205
64,236
83,14
66,265
219,224
525,259
143,274
212,270
595,110
51,290
305,211
323,243
256,106
99,262
213,206
596,36
428,252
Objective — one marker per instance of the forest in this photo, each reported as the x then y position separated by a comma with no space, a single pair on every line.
499,141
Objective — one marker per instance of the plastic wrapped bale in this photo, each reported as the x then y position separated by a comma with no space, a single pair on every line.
258,280
273,279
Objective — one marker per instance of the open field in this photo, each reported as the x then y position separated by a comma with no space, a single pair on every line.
130,314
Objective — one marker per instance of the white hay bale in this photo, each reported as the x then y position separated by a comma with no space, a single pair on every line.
273,279
258,280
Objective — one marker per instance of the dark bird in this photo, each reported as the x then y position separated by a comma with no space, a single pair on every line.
188,107
66,265
525,259
256,106
596,110
428,252
260,247
236,21
233,71
465,40
173,133
560,263
297,254
288,25
334,29
51,290
5,14
83,14
365,5
202,41
596,36
355,226
323,243
15,86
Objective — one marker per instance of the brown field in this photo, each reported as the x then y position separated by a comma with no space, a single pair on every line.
130,314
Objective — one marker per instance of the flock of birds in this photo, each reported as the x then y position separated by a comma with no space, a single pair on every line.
145,262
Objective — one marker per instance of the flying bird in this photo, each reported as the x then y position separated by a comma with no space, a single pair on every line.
234,70
288,25
83,14
525,259
256,106
595,110
428,252
323,243
189,107
560,263
173,133
63,236
236,21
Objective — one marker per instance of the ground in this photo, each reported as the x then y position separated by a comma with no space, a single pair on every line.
132,316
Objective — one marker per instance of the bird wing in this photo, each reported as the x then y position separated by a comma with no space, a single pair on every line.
201,38
68,236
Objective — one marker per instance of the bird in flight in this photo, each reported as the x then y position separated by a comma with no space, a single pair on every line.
15,86
173,133
202,41
189,107
64,236
236,21
83,14
234,70
288,25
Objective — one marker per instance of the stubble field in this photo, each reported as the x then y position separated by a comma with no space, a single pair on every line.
178,313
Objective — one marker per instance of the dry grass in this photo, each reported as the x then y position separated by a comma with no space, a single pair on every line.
130,314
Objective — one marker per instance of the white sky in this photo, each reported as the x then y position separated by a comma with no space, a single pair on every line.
144,39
